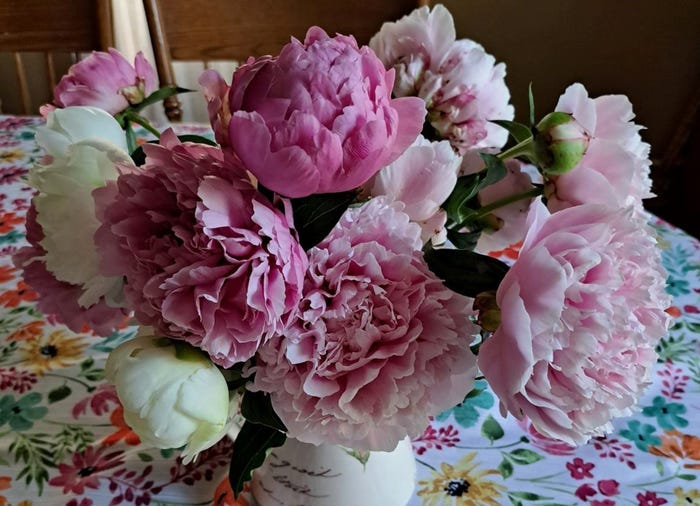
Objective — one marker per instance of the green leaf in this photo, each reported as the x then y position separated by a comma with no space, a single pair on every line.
505,468
531,103
87,364
59,393
466,272
199,139
687,477
316,215
659,468
249,452
491,429
144,457
256,407
464,240
518,131
523,456
529,496
158,95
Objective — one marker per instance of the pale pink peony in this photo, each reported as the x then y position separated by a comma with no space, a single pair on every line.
413,44
548,445
422,178
615,169
106,81
581,312
379,344
508,223
216,92
205,256
58,297
319,117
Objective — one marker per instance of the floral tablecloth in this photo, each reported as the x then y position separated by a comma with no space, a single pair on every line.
63,440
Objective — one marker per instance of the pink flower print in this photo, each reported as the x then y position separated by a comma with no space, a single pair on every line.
585,491
650,499
609,487
431,438
84,469
604,502
580,469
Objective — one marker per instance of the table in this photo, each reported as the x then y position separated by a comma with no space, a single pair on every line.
63,440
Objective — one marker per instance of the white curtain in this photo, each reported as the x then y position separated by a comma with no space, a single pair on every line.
131,36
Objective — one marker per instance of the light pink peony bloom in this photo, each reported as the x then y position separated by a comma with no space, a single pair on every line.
548,445
205,256
510,224
464,94
106,81
422,178
413,44
581,312
615,169
58,297
216,92
319,117
379,344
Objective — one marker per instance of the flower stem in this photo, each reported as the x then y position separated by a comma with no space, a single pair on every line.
422,462
137,118
89,388
130,137
533,192
522,148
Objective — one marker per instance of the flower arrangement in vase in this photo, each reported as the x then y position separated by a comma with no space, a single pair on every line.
324,263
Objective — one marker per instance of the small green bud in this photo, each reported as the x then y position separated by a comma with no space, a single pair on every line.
489,314
560,143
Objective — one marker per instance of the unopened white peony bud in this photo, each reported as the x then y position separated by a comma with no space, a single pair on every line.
172,394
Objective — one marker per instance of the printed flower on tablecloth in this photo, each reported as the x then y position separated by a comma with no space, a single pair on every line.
22,293
123,430
579,469
677,446
461,484
689,497
649,498
84,469
641,435
667,413
45,352
27,331
21,414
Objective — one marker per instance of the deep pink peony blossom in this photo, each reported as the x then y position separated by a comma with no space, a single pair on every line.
379,344
615,169
216,92
581,312
206,257
106,81
58,297
319,117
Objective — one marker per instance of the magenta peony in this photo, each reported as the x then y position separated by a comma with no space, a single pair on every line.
319,117
59,297
215,91
106,81
581,312
379,343
615,169
205,256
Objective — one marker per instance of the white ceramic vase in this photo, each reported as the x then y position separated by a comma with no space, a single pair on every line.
301,474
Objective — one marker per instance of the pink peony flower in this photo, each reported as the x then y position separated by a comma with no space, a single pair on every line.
509,222
415,43
319,117
615,169
379,343
58,297
581,311
546,444
422,178
216,92
106,81
206,257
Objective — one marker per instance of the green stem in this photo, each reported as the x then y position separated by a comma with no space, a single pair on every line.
88,387
137,118
422,462
662,480
131,143
509,445
522,148
82,424
542,478
533,192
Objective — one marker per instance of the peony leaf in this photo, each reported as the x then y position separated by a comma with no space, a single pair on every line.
518,131
466,272
249,452
316,215
158,95
256,407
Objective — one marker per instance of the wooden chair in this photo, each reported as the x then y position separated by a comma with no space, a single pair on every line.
51,27
205,30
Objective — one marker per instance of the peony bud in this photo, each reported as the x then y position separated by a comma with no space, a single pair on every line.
560,143
172,394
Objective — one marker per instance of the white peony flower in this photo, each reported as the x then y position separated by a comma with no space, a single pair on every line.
172,394
82,145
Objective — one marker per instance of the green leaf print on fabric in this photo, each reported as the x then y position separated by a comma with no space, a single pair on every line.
466,413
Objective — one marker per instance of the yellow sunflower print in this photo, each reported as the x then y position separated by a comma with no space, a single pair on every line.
461,485
11,155
686,497
45,352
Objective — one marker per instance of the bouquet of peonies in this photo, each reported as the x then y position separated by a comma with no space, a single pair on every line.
326,257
